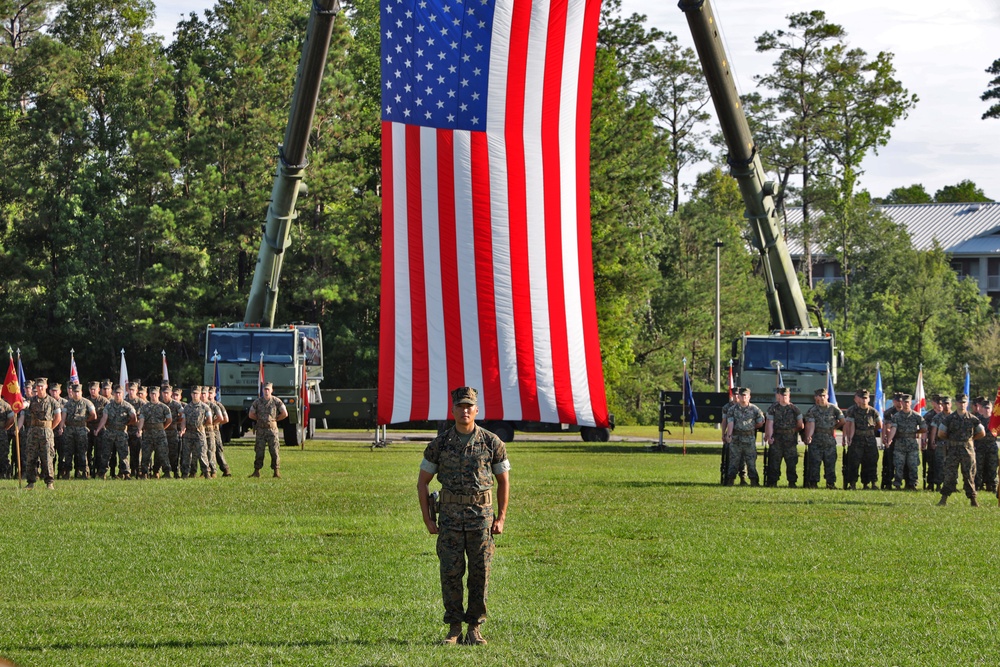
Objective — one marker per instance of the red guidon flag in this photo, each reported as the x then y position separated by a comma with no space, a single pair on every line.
994,424
487,273
11,391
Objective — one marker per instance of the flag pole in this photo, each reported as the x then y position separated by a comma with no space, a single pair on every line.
17,431
684,407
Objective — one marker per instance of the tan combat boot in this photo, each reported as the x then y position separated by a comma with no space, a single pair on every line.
255,473
277,474
973,501
473,637
454,634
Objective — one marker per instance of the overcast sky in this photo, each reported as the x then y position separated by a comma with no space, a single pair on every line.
941,52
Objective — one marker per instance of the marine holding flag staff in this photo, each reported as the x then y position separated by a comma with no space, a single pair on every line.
466,458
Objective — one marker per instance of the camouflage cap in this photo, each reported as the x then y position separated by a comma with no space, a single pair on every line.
742,391
94,384
782,391
269,385
154,390
106,384
944,399
55,386
979,400
196,389
905,397
898,396
73,386
166,387
118,388
464,396
862,393
936,398
133,385
43,381
960,398
820,392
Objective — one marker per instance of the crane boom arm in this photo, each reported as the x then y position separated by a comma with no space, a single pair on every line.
263,298
784,296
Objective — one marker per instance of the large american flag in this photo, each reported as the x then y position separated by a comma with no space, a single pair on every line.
487,274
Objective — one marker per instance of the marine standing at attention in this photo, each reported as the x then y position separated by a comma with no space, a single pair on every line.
465,459
821,421
45,414
267,411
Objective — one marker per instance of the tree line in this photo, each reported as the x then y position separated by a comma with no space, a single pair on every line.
137,175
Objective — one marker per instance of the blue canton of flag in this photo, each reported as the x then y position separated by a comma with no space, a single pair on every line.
435,62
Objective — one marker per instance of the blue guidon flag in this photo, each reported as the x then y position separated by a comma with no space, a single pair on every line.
487,269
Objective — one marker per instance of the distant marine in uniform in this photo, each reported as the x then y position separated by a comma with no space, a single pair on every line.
784,421
959,429
861,421
79,413
822,420
44,414
267,411
743,422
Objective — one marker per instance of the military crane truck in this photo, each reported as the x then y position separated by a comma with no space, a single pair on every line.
291,355
803,351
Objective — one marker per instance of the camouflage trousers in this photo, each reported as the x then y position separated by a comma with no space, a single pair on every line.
863,454
41,451
742,450
906,461
959,455
77,442
785,448
154,440
5,455
266,438
134,448
888,466
194,450
173,451
822,453
986,465
219,460
211,445
936,471
112,443
453,547
65,462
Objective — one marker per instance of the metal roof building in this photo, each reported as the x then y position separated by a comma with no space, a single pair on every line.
969,233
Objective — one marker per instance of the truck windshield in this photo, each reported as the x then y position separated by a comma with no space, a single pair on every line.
803,355
246,347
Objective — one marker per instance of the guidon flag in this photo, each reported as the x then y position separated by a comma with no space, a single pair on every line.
487,269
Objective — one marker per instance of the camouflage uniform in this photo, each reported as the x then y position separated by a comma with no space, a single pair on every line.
6,413
959,429
173,440
937,455
266,431
194,448
889,453
100,402
785,419
211,435
863,451
906,452
220,454
41,442
134,441
465,470
115,437
65,463
986,458
743,447
823,448
77,435
154,416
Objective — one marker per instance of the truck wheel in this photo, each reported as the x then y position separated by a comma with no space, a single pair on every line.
502,430
294,434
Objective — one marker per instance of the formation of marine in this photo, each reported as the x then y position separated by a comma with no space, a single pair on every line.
114,432
935,445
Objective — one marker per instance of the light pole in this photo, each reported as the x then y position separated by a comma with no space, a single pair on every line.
718,315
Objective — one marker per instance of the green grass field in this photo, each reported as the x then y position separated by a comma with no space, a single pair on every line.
612,556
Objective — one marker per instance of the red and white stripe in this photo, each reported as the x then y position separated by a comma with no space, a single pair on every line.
487,273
